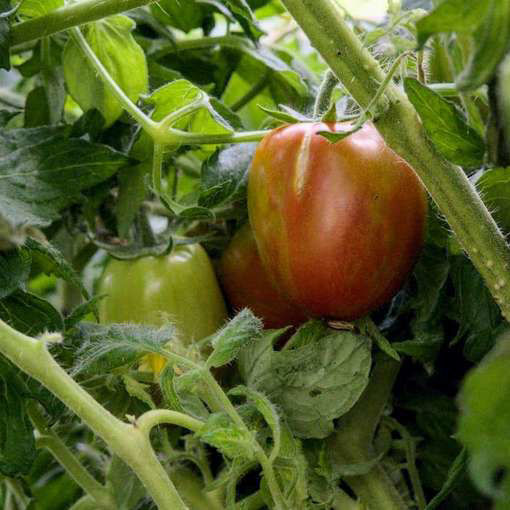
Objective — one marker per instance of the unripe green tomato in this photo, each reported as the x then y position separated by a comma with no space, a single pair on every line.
247,285
180,288
338,226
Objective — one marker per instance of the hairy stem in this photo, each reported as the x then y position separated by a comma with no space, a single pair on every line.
49,440
400,126
145,122
151,419
70,16
127,441
323,100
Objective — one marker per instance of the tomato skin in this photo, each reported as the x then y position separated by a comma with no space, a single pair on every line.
246,283
180,287
338,226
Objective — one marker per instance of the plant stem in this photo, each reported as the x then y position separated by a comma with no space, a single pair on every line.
22,501
261,456
145,122
101,495
228,41
128,442
400,126
410,448
254,501
151,419
49,440
352,442
176,136
70,16
323,100
376,490
84,503
157,169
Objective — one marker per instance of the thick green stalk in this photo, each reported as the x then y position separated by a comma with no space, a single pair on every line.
352,442
70,16
130,443
399,124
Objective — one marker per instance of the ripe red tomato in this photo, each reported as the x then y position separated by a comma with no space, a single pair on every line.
246,283
338,226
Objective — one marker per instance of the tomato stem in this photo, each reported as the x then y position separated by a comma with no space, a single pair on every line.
151,419
128,442
69,16
102,497
352,443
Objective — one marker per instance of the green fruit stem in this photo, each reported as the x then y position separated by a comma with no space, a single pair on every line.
128,441
399,124
70,16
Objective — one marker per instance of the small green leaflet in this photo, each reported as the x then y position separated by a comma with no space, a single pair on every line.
17,444
221,432
14,270
227,342
446,126
485,415
452,16
494,188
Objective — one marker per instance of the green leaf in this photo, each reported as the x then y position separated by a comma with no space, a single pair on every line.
138,390
474,309
37,112
186,392
102,348
35,8
312,384
221,432
494,188
446,126
14,270
50,260
42,173
243,14
126,487
112,42
485,415
81,311
239,332
225,175
184,15
267,410
492,42
284,116
452,16
5,38
17,444
368,328
30,314
456,474
169,98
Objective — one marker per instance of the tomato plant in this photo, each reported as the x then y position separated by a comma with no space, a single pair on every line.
247,285
139,139
340,226
180,287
